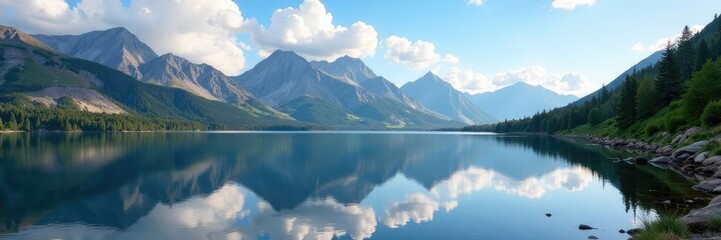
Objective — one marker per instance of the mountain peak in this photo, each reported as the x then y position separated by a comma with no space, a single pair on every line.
347,67
430,76
13,36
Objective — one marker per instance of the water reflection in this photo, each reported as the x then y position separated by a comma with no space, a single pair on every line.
285,185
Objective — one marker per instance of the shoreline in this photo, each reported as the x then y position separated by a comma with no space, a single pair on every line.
684,156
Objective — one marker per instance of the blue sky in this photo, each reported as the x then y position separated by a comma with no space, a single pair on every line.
497,43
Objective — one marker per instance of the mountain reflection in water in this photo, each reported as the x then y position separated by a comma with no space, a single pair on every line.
310,185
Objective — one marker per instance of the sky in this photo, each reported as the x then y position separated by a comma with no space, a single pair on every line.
568,46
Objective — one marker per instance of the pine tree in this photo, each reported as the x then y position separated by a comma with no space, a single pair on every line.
645,99
13,123
626,114
685,54
595,116
668,81
26,124
1,124
702,55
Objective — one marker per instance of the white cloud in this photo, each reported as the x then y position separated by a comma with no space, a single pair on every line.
417,208
476,3
201,31
450,58
317,219
416,55
571,4
467,80
475,179
661,43
309,31
570,83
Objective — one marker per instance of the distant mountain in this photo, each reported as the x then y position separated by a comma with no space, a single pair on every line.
346,67
646,62
46,77
116,48
519,100
439,96
288,82
355,69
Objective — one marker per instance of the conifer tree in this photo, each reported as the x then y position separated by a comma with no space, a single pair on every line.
645,99
12,123
668,81
702,55
626,114
686,54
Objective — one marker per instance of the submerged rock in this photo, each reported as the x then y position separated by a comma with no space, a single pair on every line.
592,237
621,231
641,160
548,215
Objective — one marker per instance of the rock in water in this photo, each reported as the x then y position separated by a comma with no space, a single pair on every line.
634,231
584,227
548,214
592,237
621,231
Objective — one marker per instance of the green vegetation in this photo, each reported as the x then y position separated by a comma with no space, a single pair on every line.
665,227
715,224
680,91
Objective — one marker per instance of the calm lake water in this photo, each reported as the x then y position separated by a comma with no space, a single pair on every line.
310,185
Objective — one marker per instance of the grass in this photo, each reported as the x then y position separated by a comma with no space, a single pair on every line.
34,76
715,224
666,227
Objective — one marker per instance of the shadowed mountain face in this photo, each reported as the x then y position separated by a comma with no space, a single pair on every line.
519,100
439,96
116,48
354,69
114,180
290,83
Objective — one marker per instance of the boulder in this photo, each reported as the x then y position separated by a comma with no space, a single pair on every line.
666,151
621,231
698,218
711,160
548,215
592,237
708,186
679,139
584,227
692,130
701,157
682,157
663,159
690,149
641,160
634,231
710,168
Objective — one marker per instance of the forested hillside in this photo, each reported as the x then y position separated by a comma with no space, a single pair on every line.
681,90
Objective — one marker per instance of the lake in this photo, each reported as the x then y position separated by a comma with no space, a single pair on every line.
324,185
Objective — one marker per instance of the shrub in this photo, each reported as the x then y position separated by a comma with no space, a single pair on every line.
711,114
674,123
652,129
665,227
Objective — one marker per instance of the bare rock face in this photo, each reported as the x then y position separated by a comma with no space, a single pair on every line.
116,48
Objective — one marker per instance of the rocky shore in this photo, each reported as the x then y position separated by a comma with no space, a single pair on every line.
683,155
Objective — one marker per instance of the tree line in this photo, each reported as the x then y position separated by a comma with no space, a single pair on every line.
686,81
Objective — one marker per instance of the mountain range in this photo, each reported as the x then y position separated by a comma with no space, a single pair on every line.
519,100
284,88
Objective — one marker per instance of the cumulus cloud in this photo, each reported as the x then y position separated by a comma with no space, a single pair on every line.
450,58
662,42
571,4
416,55
467,80
317,219
310,32
417,208
475,179
476,3
201,31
